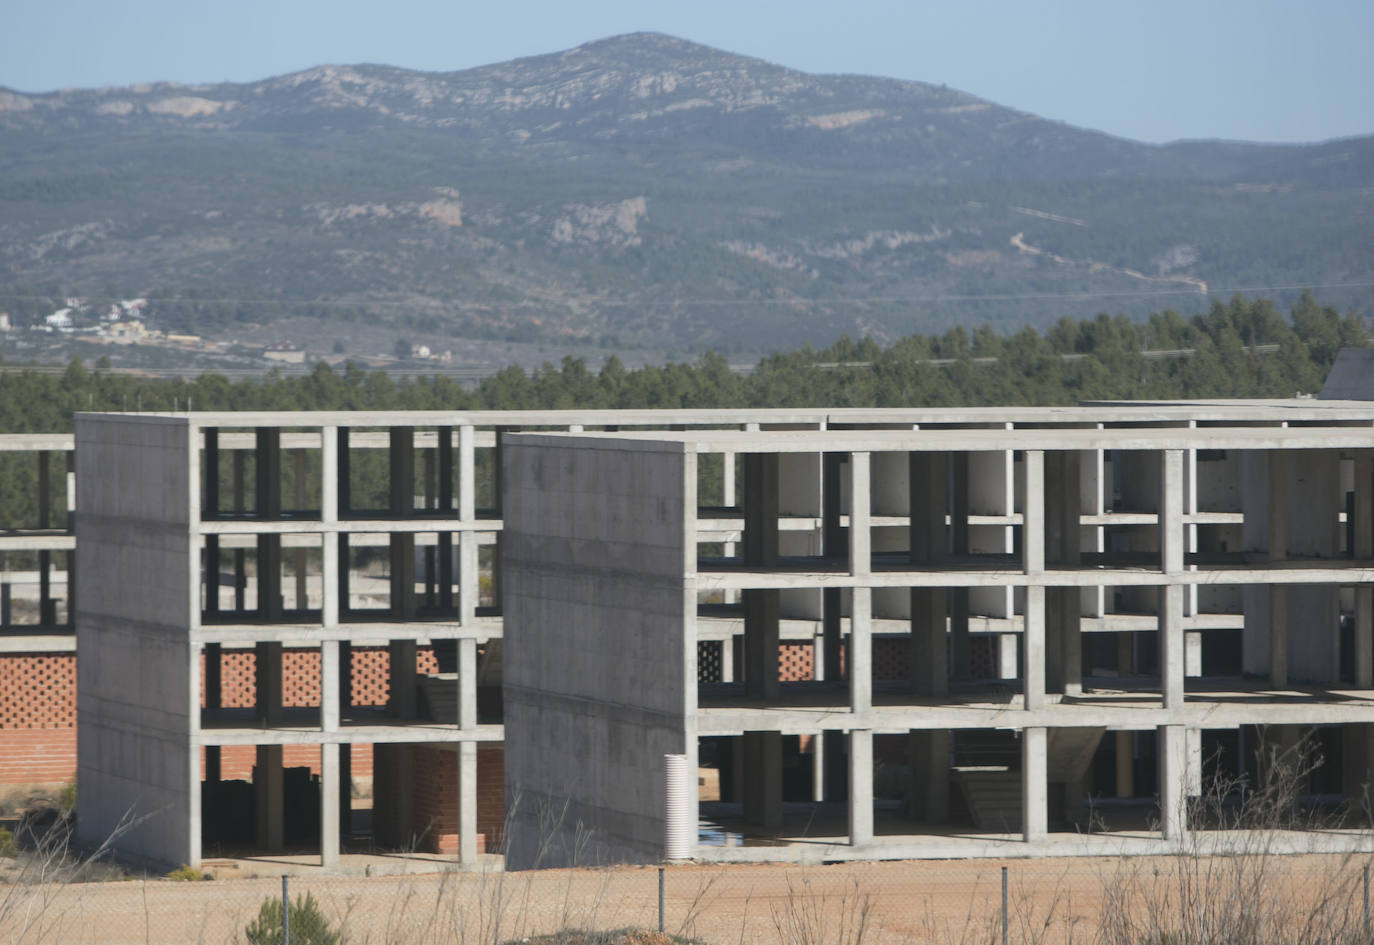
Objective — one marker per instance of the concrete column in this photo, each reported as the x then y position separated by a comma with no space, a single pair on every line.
71,494
861,650
761,510
269,577
47,607
345,676
1278,551
729,499
329,685
727,658
401,703
214,668
346,789
1192,642
1034,785
329,514
401,460
344,504
1171,645
928,485
1278,636
1033,646
1007,667
1033,512
860,788
467,684
268,680
762,782
467,803
929,642
860,535
818,768
1193,786
761,643
1173,781
403,575
928,479
298,564
267,792
1171,533
1063,605
403,782
1125,764
835,545
1362,534
329,804
959,644
1063,641
929,765
468,586
330,585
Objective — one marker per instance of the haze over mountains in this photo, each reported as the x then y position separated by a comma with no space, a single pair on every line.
644,190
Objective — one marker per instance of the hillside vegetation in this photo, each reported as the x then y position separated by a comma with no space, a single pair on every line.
643,190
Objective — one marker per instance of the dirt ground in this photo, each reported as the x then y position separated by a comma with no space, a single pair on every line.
1059,900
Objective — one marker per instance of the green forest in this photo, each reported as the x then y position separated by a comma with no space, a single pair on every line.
1241,349
1169,355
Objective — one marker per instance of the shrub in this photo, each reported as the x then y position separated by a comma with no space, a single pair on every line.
188,874
66,798
308,924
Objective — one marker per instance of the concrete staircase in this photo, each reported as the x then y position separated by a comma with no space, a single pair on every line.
1069,753
993,796
439,697
987,769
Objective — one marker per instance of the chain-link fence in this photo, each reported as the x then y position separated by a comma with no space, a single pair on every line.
1128,901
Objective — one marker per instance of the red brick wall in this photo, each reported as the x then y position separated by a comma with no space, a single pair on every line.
435,818
236,761
370,668
37,756
37,718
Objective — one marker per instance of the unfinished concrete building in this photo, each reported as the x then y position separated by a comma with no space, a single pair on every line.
288,609
1027,631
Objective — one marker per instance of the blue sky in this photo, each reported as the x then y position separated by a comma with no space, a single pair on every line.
1261,70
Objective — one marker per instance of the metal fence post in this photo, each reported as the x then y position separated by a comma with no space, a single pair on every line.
660,896
1004,905
1366,901
285,913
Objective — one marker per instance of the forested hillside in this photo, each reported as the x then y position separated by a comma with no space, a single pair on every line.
641,192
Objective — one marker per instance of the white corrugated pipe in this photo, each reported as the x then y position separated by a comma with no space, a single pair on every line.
677,793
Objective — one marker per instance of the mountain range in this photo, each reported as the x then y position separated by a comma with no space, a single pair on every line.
645,190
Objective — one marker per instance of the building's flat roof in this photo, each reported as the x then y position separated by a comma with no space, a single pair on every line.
969,440
1274,411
